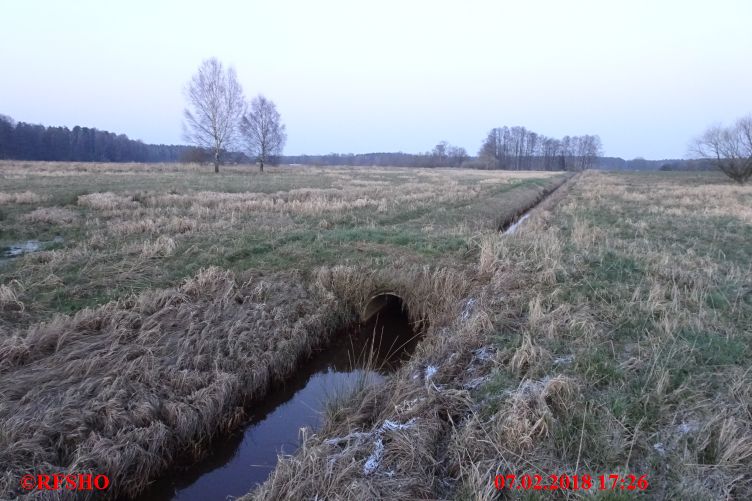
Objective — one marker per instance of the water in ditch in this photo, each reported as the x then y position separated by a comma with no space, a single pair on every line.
241,461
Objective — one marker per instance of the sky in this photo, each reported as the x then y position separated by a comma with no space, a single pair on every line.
352,76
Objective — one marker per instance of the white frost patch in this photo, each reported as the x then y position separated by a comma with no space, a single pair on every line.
565,360
431,370
483,354
468,308
357,435
660,448
687,427
373,461
531,387
391,425
474,383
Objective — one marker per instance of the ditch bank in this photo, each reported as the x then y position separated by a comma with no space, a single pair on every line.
358,356
132,388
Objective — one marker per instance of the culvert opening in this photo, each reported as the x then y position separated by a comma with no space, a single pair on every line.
361,353
388,334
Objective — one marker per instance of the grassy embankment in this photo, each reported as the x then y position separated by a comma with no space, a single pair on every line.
119,356
610,335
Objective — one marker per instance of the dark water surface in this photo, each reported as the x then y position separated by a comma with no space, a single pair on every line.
20,248
239,462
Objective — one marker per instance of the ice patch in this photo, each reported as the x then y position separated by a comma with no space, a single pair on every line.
373,461
431,370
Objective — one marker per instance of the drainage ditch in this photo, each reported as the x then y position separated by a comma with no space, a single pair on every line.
357,355
510,224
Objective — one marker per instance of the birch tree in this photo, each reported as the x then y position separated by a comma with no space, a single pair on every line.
262,130
215,108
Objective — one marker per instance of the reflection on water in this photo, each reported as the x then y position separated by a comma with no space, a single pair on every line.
237,463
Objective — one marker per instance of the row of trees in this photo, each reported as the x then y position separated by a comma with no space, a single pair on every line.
218,118
395,159
517,148
641,164
446,155
24,141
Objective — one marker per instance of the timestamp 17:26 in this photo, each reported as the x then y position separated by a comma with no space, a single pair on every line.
602,482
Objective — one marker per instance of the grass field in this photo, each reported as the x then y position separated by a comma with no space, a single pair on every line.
129,228
610,334
166,298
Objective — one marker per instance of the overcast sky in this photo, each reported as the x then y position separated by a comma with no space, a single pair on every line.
353,76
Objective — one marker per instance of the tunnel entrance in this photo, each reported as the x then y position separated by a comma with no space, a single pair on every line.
362,353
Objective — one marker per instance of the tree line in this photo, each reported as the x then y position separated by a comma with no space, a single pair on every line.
510,148
25,141
442,155
516,148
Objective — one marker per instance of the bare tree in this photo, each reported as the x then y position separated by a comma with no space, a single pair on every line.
457,155
262,130
729,148
215,107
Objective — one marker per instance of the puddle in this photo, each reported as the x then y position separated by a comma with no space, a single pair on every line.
21,248
240,462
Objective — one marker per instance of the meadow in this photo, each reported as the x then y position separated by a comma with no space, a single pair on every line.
164,299
128,228
609,334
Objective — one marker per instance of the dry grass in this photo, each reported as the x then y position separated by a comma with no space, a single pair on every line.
614,350
107,201
127,388
130,387
117,219
161,247
381,443
8,297
25,197
610,333
50,215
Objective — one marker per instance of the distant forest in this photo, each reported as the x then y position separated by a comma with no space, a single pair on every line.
640,164
24,141
504,148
